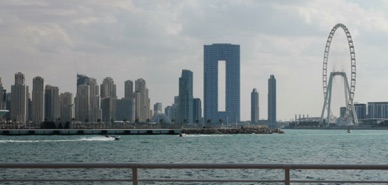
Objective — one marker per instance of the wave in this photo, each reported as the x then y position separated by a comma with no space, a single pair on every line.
204,135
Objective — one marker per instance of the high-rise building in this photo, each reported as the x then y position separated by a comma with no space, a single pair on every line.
108,106
128,89
254,106
126,106
108,88
124,110
221,83
360,109
272,101
108,100
82,103
197,110
38,100
19,99
158,109
185,105
51,100
2,101
91,109
142,101
66,107
2,96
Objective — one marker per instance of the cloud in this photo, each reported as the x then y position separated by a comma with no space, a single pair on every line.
155,40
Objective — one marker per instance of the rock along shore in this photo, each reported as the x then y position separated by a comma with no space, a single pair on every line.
232,131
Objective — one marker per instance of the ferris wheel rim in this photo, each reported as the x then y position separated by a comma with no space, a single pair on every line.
352,60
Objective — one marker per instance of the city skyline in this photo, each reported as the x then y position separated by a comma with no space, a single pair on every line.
155,40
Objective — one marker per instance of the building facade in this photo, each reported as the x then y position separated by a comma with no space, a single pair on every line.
272,101
51,100
360,109
124,110
185,105
108,88
377,110
66,101
38,109
217,109
2,96
128,89
19,99
87,109
158,108
108,100
254,106
197,110
142,101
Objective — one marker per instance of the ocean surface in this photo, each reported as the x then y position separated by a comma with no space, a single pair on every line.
293,147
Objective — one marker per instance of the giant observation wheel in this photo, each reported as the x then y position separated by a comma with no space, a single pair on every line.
350,88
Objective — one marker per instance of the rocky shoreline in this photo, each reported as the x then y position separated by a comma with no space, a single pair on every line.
232,131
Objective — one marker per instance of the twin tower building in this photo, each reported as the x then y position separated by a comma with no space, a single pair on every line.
222,87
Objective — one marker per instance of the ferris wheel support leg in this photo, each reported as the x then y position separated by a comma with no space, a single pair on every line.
327,103
330,87
350,104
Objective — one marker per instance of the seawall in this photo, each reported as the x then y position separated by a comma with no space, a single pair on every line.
90,131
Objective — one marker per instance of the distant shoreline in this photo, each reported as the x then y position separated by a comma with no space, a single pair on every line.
339,128
16,132
243,130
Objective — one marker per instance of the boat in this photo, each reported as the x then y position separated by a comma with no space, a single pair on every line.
3,112
349,131
113,137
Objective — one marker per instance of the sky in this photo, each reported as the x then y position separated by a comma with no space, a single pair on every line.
157,39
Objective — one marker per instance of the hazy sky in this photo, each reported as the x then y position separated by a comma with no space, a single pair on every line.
156,39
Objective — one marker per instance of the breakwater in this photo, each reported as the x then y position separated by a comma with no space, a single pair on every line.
232,131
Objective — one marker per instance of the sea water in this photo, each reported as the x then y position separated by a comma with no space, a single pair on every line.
293,147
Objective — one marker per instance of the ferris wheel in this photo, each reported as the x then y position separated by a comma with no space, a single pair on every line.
327,82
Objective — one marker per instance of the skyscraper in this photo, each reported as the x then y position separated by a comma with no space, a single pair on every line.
128,89
2,96
272,101
126,106
108,88
108,100
185,105
82,103
254,106
90,109
66,107
142,101
38,100
221,83
197,110
51,103
19,99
